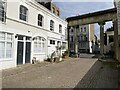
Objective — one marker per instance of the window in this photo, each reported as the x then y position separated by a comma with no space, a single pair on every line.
111,39
60,28
64,45
23,13
39,45
84,29
81,38
85,38
66,34
40,20
2,11
6,44
51,25
71,30
52,42
71,39
81,29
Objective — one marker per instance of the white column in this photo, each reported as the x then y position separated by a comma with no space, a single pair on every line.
32,50
24,49
15,45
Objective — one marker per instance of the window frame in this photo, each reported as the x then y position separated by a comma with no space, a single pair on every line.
52,42
85,29
39,45
3,11
7,40
23,13
40,20
60,28
52,24
81,29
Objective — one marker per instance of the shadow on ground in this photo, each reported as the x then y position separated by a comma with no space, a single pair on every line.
101,75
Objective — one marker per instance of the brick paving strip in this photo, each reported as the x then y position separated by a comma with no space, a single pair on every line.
71,73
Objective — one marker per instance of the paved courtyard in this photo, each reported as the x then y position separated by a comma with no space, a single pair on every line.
71,73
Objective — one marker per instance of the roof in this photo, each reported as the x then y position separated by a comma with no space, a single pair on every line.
113,10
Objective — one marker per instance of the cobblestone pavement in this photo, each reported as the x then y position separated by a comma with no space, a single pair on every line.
71,73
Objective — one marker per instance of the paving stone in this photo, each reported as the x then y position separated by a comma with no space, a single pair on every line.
71,73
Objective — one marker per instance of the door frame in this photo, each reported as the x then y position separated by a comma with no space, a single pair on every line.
24,46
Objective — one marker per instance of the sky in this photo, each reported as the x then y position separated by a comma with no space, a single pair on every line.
70,8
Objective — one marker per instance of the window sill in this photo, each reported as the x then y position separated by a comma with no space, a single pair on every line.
2,22
7,59
39,53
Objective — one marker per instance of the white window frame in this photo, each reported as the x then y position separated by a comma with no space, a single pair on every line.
85,29
22,14
5,41
39,42
52,42
60,28
52,24
40,20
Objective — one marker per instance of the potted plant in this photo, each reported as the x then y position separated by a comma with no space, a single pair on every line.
65,54
52,57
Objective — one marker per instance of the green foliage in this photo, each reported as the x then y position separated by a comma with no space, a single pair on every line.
66,53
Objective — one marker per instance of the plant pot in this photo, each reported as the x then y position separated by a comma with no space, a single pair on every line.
52,60
60,59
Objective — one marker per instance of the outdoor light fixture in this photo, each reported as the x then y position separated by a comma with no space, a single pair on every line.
16,36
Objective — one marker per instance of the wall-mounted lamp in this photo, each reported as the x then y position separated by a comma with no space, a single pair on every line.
16,36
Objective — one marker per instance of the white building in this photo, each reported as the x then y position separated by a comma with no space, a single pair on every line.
86,39
27,30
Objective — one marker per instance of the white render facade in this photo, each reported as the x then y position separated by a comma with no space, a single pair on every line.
22,38
85,35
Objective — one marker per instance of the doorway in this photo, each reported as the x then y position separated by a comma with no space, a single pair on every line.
23,50
20,49
28,52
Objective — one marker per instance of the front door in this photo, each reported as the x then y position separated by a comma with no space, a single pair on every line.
20,53
28,52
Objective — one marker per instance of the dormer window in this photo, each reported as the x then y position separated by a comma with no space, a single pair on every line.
53,9
58,13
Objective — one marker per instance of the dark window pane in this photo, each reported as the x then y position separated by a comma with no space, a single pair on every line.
40,20
23,13
20,37
51,25
54,42
50,41
2,11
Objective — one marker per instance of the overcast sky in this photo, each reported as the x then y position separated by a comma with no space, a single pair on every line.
70,8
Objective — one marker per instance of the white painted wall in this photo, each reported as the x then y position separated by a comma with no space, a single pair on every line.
16,26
